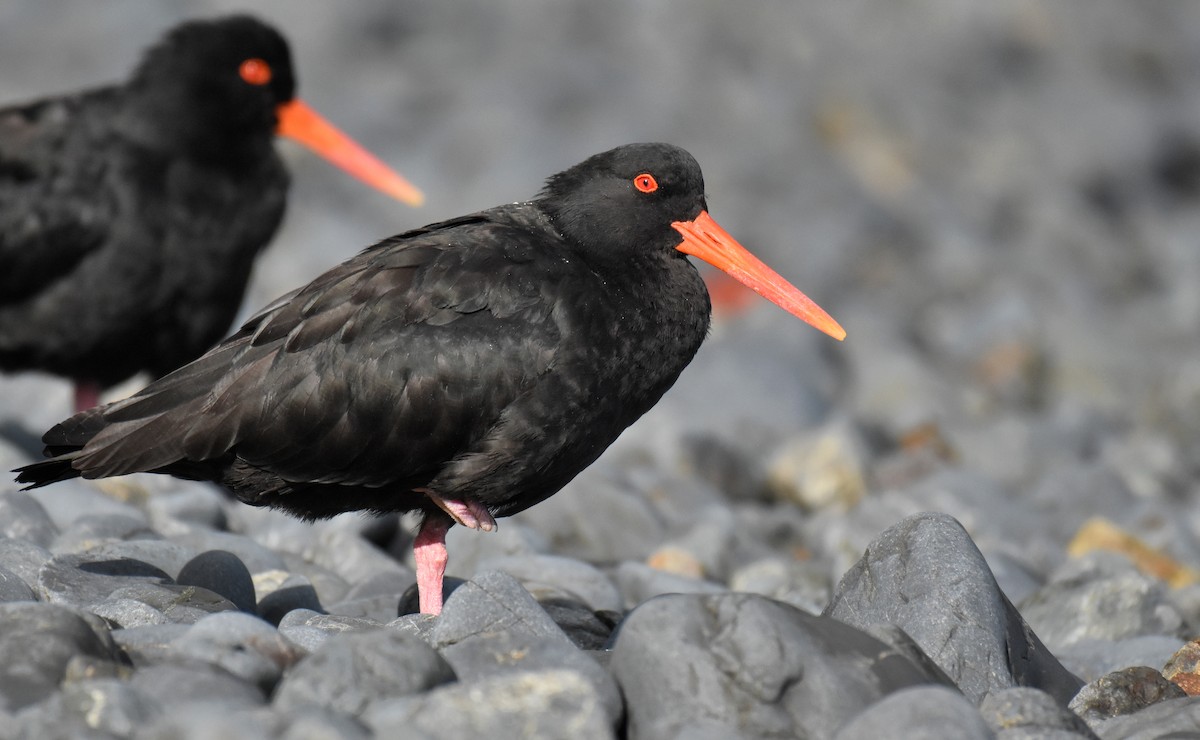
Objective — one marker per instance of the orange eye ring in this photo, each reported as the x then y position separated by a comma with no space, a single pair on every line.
645,182
255,71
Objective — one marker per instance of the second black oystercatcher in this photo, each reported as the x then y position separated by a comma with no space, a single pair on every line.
130,215
466,370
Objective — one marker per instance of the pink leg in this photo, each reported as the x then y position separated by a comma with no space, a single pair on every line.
429,550
87,395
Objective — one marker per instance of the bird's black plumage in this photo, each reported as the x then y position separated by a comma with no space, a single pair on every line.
130,215
484,360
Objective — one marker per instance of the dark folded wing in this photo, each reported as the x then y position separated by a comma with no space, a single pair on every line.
381,369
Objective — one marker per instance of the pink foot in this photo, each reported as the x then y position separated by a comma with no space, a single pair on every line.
429,550
87,395
470,514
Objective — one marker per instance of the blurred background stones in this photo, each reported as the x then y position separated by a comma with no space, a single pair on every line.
999,201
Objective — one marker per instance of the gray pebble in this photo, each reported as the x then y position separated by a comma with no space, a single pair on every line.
37,641
1022,712
492,625
180,604
222,573
1091,659
12,588
919,713
96,708
525,705
294,593
639,583
244,645
1174,719
309,629
174,685
557,577
93,530
124,613
350,671
1121,692
253,555
25,559
23,518
69,500
1100,596
926,576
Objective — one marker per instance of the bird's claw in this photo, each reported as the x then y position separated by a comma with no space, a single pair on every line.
470,514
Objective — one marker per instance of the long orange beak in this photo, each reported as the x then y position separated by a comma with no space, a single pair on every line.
704,238
302,123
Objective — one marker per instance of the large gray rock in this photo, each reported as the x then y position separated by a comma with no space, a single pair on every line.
222,573
926,576
351,671
743,665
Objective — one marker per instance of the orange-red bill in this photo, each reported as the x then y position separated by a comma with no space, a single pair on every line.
704,238
302,123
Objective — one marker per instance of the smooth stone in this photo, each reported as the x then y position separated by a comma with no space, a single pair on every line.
639,583
180,604
596,518
69,500
331,588
492,625
150,644
1092,659
343,551
23,518
352,670
201,506
242,644
557,577
317,723
222,573
1173,719
174,685
13,588
1123,692
253,555
98,708
387,583
37,642
1023,712
309,629
295,593
524,705
1101,596
380,608
93,530
752,665
587,628
472,551
25,559
199,721
90,577
125,613
921,712
803,584
926,576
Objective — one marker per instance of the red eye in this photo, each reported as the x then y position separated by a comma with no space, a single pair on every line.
645,182
255,71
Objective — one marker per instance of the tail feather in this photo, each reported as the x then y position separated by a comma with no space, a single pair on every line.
44,473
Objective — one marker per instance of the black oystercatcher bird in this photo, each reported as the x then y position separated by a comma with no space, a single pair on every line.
130,215
466,370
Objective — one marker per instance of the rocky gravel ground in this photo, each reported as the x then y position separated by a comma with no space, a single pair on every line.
975,518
